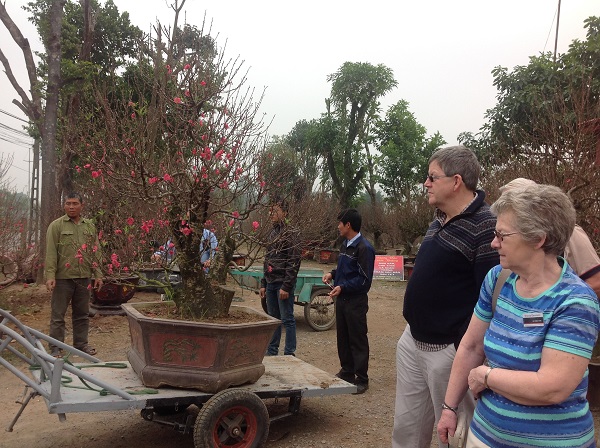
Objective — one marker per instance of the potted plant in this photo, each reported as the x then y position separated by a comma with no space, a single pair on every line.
172,146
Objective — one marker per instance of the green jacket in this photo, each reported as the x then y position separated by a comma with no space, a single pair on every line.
72,250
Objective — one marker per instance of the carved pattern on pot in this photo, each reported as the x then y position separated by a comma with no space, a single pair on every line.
239,353
187,349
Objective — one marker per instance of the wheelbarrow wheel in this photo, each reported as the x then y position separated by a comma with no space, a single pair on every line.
320,312
232,418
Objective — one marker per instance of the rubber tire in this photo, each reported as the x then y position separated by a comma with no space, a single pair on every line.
315,296
244,411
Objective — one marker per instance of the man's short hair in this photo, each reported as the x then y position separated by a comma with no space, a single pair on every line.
73,195
352,216
459,160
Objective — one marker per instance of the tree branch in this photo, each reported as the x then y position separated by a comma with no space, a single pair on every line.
33,106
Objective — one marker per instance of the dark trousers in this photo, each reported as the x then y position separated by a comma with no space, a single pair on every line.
352,340
77,293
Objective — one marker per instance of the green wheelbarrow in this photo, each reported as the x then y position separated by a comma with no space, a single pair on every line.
310,292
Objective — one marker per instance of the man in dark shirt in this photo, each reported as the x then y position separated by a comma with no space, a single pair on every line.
352,279
281,265
442,291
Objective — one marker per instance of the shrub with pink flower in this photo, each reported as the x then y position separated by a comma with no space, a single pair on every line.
195,161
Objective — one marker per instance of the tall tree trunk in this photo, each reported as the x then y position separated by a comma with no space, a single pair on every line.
50,197
73,104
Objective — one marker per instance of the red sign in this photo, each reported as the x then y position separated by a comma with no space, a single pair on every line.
389,267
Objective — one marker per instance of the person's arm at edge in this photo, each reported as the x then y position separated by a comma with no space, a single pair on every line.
583,258
592,278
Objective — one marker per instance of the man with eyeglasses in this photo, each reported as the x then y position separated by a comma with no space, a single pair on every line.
579,253
452,262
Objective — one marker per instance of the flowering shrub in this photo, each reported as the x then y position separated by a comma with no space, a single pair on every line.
177,143
16,252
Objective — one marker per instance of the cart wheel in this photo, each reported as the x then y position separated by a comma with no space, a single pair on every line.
320,312
232,418
263,303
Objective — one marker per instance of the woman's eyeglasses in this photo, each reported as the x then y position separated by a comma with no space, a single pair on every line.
501,235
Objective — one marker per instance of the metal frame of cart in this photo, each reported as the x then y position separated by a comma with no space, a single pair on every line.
233,417
310,292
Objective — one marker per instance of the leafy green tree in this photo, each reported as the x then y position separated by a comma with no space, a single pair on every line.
281,171
405,150
307,158
544,125
343,130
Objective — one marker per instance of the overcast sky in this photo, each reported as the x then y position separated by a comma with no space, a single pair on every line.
441,52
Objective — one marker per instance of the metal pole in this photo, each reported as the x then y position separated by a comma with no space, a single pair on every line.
557,23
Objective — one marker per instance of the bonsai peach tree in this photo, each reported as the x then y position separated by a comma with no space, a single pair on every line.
172,143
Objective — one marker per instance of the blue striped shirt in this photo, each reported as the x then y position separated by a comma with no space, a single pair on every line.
570,324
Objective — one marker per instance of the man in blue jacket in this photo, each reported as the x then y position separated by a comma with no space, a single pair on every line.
352,280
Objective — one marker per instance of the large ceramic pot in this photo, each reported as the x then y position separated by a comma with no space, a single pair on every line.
198,355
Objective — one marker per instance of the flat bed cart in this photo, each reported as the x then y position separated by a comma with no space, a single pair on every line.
310,292
234,417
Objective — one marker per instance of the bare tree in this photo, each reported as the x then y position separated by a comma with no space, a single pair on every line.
44,119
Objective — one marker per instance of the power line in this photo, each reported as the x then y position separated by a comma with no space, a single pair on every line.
20,169
550,31
15,142
13,116
16,131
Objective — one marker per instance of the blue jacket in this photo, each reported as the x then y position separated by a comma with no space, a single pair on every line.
354,272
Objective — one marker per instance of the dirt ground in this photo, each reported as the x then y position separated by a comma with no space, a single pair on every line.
344,421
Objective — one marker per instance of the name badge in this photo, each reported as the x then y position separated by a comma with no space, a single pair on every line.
533,319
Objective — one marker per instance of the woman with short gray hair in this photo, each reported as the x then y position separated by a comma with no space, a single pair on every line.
537,338
540,211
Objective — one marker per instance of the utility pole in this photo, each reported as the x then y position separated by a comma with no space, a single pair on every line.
557,23
33,231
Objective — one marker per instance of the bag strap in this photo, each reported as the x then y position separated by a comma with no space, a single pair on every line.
502,277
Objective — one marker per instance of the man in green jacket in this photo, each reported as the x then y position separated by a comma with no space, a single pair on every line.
72,256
